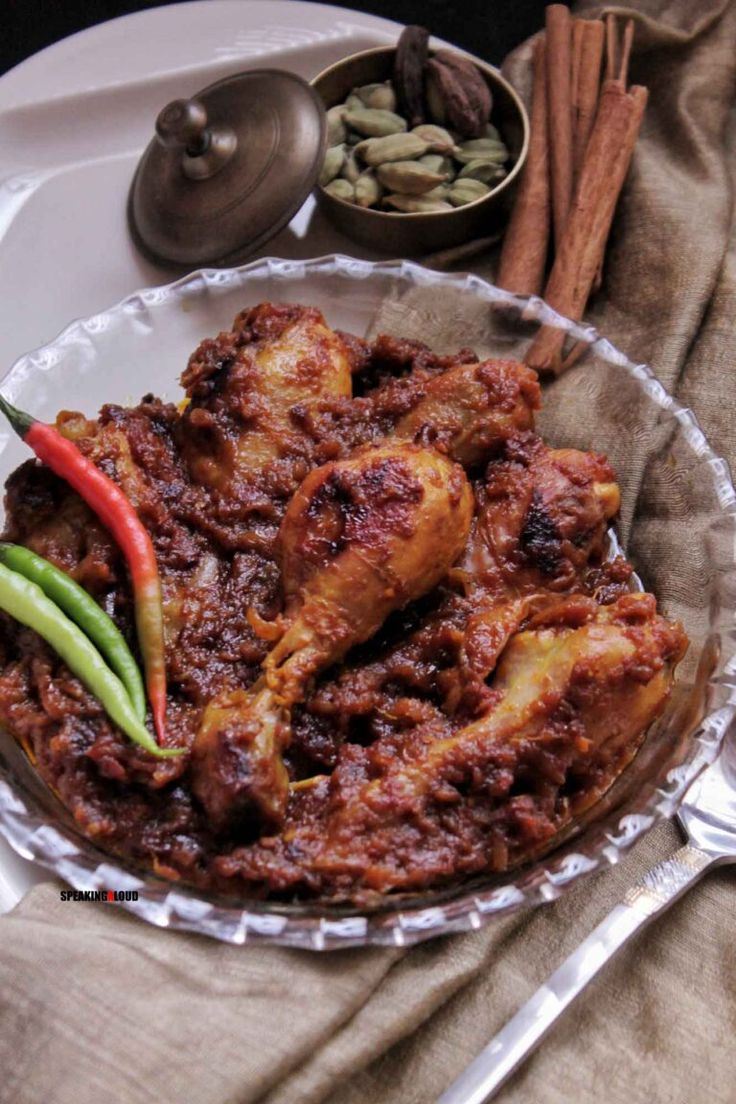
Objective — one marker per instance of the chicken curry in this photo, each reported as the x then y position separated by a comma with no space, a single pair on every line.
398,652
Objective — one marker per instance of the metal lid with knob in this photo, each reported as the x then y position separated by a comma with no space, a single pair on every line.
227,169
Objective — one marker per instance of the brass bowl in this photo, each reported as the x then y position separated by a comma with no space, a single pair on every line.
420,233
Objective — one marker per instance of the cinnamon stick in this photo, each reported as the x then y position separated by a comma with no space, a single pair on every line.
618,64
578,29
588,40
525,244
604,170
454,254
559,111
611,47
628,41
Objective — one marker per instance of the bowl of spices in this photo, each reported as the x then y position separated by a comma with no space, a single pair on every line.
424,146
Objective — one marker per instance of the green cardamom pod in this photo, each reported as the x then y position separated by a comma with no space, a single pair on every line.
408,177
490,131
364,93
332,164
367,190
442,191
485,149
374,123
354,102
414,204
395,147
488,172
351,170
336,129
437,138
341,189
466,191
435,162
381,96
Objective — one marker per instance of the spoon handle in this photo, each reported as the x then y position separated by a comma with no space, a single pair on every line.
659,887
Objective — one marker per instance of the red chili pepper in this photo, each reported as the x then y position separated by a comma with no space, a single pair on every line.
117,514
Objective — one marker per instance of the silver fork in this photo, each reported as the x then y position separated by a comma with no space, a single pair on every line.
708,819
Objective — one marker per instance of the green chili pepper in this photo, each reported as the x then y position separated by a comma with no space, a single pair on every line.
82,609
118,514
28,604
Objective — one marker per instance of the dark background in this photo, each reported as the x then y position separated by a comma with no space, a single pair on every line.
488,28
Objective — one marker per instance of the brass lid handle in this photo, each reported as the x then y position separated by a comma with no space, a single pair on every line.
183,125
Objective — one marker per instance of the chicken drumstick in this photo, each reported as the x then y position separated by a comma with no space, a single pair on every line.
361,538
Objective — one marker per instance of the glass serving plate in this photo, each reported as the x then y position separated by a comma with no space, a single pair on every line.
678,499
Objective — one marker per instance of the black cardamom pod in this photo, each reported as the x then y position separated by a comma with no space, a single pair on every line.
412,50
457,84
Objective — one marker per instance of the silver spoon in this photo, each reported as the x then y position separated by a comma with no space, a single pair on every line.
708,819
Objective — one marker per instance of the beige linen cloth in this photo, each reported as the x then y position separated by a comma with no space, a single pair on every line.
97,1005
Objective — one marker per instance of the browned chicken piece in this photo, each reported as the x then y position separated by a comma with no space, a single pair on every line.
465,409
542,519
361,538
244,384
470,410
541,525
540,528
575,692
